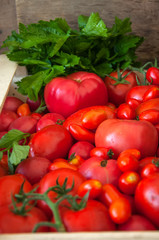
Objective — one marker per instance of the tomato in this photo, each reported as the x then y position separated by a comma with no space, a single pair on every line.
152,75
49,119
120,210
76,161
10,185
6,118
124,111
137,223
20,223
49,180
81,148
93,186
143,162
66,95
135,152
150,115
137,92
23,110
147,198
150,169
12,103
26,124
37,116
106,171
117,89
3,171
125,134
128,182
61,164
150,104
151,93
93,217
33,168
47,142
33,104
109,194
133,103
80,133
105,153
127,162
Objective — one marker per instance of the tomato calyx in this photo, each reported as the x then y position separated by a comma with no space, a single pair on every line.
156,162
77,203
110,153
120,79
103,163
60,122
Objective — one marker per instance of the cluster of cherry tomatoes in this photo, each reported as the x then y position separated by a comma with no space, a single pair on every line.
93,155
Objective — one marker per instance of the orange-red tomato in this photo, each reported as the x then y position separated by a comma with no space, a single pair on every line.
128,182
93,186
23,110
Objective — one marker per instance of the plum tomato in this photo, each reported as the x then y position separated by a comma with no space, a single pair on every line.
66,95
125,111
152,75
137,93
47,142
6,118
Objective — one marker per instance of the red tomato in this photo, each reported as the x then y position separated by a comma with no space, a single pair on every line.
124,111
10,185
106,171
117,90
37,116
125,134
20,223
93,217
49,180
33,104
81,148
150,115
137,92
147,198
34,168
127,162
23,110
105,153
152,75
3,171
135,152
109,194
133,103
150,104
47,142
150,169
66,95
120,210
93,186
58,165
6,118
26,124
137,223
143,162
76,161
12,103
151,93
128,182
49,119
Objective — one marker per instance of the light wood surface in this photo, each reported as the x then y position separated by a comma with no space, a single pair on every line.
7,70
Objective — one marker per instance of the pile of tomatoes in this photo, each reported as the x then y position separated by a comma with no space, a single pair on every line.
93,156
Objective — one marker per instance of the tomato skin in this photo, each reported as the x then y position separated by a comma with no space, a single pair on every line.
120,210
62,164
143,162
133,103
124,111
81,148
93,186
147,198
151,93
6,118
33,104
137,223
94,217
3,171
150,104
106,171
117,93
80,133
49,180
126,134
10,185
12,103
66,95
23,110
152,75
128,182
127,162
149,169
150,115
109,194
47,142
105,153
21,224
137,92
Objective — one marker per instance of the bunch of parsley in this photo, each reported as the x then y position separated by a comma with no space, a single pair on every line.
50,49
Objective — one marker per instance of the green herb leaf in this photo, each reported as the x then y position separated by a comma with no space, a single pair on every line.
18,154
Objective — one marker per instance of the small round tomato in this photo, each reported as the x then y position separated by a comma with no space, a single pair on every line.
128,182
127,162
151,93
143,162
120,210
105,153
124,111
150,115
76,161
133,103
150,169
93,186
23,110
152,75
133,151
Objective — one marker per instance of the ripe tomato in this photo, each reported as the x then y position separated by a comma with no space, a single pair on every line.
147,198
105,153
124,111
93,217
151,93
82,149
117,90
3,171
150,169
125,134
6,118
93,186
152,75
109,194
20,223
137,92
150,115
150,104
12,103
23,110
128,182
106,171
10,185
143,162
66,95
127,162
47,142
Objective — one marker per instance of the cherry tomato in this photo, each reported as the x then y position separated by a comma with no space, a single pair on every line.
152,75
62,164
133,151
109,194
23,110
120,210
150,115
76,161
124,111
151,93
133,103
150,169
143,162
105,153
128,182
127,162
93,186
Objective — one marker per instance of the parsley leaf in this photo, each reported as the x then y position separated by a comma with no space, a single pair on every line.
18,154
